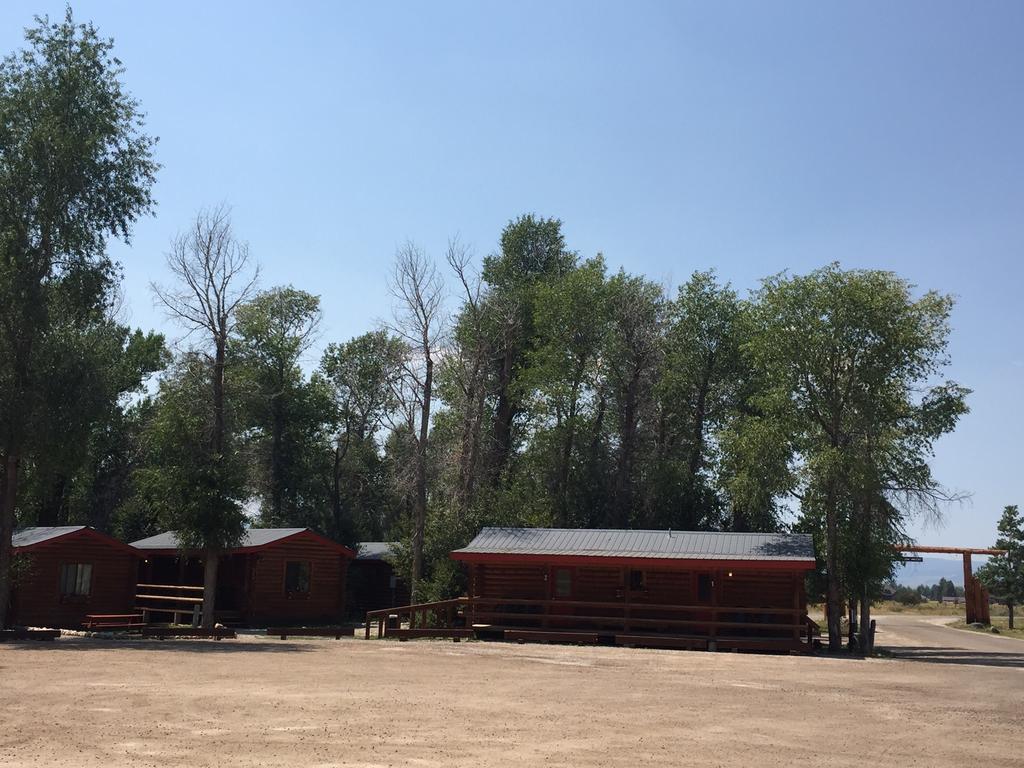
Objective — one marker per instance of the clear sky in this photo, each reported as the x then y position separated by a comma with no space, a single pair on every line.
748,137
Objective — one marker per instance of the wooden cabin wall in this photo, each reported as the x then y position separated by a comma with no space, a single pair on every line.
761,589
37,600
746,588
269,604
523,582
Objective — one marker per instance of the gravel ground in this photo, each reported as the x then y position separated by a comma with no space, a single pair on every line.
312,702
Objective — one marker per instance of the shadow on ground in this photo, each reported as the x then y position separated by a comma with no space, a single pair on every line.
939,655
178,645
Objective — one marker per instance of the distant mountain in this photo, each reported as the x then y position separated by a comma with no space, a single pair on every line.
931,569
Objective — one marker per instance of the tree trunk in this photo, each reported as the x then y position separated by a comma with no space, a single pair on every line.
504,414
276,447
219,427
623,496
835,601
866,639
420,508
8,495
1009,614
210,562
851,633
700,415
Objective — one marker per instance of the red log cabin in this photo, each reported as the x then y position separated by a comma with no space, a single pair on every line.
64,573
647,588
276,576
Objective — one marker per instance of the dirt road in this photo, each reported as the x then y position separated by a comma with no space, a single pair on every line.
264,702
928,638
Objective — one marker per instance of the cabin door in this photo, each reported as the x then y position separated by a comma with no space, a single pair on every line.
561,589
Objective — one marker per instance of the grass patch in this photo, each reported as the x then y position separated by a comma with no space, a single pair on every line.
999,622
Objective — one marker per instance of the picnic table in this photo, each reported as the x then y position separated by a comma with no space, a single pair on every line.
114,621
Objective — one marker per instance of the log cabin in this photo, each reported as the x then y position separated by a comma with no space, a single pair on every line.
648,588
275,576
65,573
372,581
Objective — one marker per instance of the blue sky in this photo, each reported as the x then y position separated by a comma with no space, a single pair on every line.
748,137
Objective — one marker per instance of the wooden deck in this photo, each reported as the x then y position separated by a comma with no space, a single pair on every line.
695,627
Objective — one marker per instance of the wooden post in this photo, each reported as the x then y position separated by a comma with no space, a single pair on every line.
969,591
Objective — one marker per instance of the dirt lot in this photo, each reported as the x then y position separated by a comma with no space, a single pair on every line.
329,703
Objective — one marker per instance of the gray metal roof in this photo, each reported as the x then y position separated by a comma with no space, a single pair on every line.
26,537
375,550
674,545
254,537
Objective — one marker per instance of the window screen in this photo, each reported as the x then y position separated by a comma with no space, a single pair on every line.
296,577
75,578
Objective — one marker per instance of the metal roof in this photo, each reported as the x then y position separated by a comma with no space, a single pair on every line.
254,537
375,550
26,537
673,545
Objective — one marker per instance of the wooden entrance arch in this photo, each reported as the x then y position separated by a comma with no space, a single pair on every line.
975,594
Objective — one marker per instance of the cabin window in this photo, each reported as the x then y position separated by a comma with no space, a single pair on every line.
704,587
636,581
296,578
75,579
563,582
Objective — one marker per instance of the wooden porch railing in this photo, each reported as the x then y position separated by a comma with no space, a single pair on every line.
443,618
442,614
173,600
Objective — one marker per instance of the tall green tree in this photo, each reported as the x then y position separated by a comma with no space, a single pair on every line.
632,358
280,410
1004,574
214,278
75,169
361,377
95,368
698,391
184,481
571,325
532,251
844,355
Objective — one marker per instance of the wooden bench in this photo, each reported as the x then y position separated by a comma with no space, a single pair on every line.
114,621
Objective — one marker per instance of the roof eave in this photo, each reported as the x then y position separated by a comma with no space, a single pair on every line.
679,563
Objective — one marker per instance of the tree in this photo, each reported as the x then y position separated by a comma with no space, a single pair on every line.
281,410
698,390
1004,574
418,320
183,481
633,356
214,278
571,322
843,356
362,378
95,366
532,252
75,169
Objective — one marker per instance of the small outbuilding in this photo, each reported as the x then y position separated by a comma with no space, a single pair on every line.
372,581
64,573
275,576
656,588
